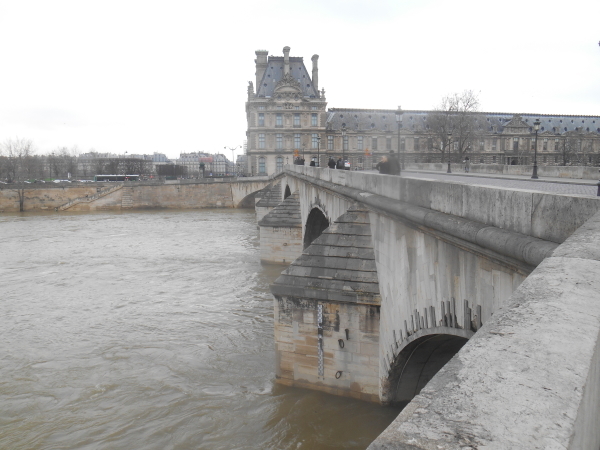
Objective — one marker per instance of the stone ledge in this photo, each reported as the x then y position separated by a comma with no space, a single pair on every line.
530,378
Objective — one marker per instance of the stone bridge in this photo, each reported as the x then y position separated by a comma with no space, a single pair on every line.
480,306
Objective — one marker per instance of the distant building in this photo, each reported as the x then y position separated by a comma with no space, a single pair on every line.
287,116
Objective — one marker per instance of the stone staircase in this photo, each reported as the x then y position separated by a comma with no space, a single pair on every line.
90,198
126,199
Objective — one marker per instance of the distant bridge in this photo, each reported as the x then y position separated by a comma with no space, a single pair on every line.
479,304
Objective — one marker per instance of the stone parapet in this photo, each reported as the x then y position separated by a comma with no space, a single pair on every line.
569,172
530,378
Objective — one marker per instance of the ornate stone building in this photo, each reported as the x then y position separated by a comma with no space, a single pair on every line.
287,117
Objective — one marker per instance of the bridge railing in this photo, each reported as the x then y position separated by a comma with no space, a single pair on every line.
547,216
530,378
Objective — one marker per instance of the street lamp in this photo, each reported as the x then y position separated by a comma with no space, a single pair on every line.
343,143
232,156
399,113
318,151
449,147
536,127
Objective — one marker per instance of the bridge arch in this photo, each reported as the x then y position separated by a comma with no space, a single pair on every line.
287,192
316,223
419,358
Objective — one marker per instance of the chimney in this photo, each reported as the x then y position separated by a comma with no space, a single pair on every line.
261,65
286,60
315,72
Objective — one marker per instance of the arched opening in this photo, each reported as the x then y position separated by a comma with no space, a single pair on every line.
287,193
315,225
418,362
248,201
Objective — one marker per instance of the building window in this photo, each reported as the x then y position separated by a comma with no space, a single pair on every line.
297,141
314,108
374,143
329,142
279,163
545,146
345,142
555,145
315,140
429,144
402,144
296,107
297,120
261,140
279,120
261,119
545,159
515,144
359,140
388,143
261,165
556,159
494,144
313,120
494,159
261,108
279,141
416,144
481,145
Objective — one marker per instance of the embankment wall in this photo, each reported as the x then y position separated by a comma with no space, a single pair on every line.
140,196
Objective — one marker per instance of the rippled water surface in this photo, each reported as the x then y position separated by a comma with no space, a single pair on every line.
151,330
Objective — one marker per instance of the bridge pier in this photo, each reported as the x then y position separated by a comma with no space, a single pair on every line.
327,313
281,232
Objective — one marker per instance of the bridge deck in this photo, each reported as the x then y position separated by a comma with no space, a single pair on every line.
554,185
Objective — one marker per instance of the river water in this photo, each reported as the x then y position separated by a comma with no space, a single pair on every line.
151,330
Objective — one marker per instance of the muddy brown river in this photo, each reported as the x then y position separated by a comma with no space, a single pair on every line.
151,330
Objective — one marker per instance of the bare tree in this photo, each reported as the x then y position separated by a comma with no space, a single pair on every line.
455,120
17,152
574,149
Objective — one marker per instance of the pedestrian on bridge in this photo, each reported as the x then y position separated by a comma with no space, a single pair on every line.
383,166
394,164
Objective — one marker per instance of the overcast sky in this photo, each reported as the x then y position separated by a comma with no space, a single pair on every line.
171,76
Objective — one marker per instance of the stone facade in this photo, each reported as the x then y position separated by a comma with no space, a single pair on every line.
287,116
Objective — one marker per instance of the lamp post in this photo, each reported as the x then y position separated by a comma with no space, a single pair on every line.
343,143
536,127
399,113
232,156
449,147
318,151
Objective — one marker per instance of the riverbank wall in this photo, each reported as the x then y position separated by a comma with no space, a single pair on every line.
131,195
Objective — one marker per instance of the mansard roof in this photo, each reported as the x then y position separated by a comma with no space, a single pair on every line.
384,120
274,75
